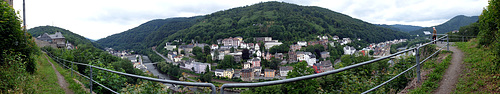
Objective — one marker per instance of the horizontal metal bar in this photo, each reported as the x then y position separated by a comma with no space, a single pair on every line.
432,55
378,86
390,79
318,74
153,79
90,79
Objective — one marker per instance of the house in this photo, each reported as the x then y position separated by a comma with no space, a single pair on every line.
178,58
170,47
231,41
239,38
255,62
268,45
237,73
246,65
201,67
312,60
279,56
214,47
292,56
257,70
284,70
219,72
258,53
251,46
186,48
262,39
247,75
302,43
201,45
323,66
257,46
269,72
56,38
295,47
236,55
229,73
325,54
335,37
301,56
348,50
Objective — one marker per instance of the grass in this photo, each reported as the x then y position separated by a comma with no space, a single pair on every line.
432,82
74,86
45,79
480,74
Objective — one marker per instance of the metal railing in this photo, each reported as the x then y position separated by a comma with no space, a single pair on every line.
232,85
126,74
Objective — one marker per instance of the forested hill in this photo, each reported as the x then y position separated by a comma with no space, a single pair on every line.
148,34
399,27
70,36
453,24
285,22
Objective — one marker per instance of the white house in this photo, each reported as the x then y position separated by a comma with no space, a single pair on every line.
246,65
348,50
257,47
219,72
284,70
271,44
214,47
312,60
302,43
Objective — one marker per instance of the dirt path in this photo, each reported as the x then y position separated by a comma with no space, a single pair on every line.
450,77
60,79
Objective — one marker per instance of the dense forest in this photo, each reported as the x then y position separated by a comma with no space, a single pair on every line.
453,24
399,27
148,34
71,37
285,22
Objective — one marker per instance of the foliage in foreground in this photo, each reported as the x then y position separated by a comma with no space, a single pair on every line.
434,77
480,75
17,53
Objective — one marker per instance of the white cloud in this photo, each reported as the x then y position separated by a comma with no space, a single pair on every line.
100,18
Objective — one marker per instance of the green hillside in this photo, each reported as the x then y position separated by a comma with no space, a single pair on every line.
70,36
283,21
399,27
148,34
453,24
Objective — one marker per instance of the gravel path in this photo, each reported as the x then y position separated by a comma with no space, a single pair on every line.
60,79
450,77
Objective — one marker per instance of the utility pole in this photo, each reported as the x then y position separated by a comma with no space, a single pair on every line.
24,16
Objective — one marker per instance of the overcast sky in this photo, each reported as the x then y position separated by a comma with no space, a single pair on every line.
97,19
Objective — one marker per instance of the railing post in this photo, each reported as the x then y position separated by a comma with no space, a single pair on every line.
90,80
418,64
448,42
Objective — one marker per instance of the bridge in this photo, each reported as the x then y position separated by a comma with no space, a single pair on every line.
259,84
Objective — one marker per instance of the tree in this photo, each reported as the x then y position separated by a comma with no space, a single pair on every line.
489,23
309,86
371,52
15,40
207,76
228,62
245,54
232,49
206,50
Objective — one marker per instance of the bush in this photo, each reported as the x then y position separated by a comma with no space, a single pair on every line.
14,39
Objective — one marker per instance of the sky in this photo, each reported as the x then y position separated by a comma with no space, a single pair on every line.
96,19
